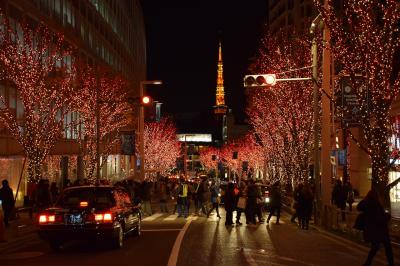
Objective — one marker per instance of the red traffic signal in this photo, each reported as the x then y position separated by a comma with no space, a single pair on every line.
263,80
146,100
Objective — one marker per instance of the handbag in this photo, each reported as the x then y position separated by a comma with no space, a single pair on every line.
360,222
242,203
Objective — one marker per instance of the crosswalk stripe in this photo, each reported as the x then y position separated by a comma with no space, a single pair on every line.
153,217
171,217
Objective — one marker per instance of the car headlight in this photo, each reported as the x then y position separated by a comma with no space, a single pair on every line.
266,200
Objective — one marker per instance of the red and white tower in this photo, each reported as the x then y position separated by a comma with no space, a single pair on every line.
220,108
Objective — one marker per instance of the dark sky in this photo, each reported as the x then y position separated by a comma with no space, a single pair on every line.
182,50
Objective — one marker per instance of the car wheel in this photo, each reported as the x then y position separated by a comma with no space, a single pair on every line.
118,240
55,245
138,229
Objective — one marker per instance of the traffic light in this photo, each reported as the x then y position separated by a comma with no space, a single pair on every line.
146,100
264,80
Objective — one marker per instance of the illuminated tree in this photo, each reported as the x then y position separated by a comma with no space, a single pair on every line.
161,147
248,151
206,157
35,63
282,115
102,94
365,43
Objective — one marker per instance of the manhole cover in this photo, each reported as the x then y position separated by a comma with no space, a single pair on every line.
21,255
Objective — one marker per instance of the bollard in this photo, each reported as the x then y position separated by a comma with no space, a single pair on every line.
2,227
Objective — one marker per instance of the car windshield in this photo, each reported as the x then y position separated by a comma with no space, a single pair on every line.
95,197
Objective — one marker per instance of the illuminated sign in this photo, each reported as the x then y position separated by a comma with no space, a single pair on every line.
194,137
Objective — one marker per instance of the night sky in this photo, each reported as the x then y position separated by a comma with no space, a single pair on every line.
182,50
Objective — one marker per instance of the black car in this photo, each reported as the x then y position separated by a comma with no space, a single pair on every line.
90,212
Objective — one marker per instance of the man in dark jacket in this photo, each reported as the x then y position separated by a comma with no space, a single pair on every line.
376,228
276,202
230,203
7,200
251,202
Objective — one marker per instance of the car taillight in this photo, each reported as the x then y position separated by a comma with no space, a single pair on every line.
107,217
42,219
103,217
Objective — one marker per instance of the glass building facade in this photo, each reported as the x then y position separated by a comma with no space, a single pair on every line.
107,32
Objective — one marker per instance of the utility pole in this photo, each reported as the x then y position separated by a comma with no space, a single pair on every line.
141,124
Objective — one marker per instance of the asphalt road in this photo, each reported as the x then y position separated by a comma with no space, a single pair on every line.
196,241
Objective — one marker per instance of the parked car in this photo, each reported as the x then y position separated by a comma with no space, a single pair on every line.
90,212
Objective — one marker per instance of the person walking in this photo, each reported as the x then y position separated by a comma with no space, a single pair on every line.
42,197
305,206
260,204
163,196
229,202
54,192
296,196
146,197
238,191
214,199
349,194
376,229
7,201
204,195
251,204
182,199
276,202
339,198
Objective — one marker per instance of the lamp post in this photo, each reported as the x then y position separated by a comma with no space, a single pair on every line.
141,123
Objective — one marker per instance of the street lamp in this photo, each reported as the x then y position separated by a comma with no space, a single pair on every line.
141,123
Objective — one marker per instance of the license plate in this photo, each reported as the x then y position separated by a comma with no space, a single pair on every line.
75,219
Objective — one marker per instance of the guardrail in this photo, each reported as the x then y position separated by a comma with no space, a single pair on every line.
333,220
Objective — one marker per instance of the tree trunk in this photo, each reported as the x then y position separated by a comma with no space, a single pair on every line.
34,170
380,162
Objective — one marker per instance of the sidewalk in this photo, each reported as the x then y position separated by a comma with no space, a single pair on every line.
21,227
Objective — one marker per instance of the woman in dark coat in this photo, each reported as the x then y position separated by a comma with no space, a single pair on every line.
376,228
305,206
230,203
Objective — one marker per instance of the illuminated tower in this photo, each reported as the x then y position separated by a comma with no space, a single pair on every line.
220,108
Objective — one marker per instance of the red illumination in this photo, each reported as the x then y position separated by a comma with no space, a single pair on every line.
146,99
52,218
98,217
43,219
107,217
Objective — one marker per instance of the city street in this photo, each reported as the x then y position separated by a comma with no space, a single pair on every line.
204,242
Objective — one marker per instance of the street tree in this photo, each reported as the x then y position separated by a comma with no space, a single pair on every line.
161,147
282,115
209,157
102,104
365,43
36,66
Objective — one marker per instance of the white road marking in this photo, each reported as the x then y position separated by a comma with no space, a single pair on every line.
173,258
171,217
153,217
162,230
